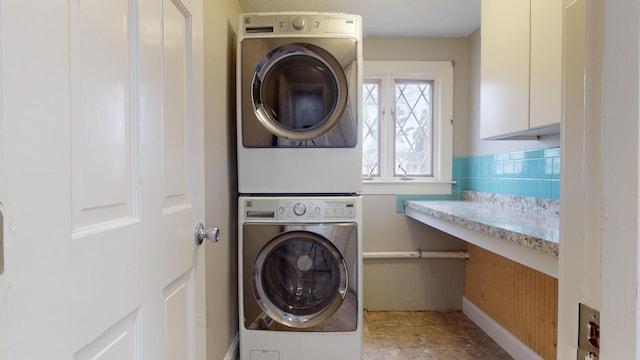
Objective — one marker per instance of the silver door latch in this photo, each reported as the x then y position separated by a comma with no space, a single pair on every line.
212,234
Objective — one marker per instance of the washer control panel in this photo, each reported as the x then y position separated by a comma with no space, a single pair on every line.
299,209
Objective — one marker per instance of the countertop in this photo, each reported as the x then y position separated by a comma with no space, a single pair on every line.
502,224
530,229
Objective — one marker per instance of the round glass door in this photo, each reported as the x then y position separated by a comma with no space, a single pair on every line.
299,91
299,279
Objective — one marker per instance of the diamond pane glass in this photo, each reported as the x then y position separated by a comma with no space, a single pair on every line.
371,128
413,128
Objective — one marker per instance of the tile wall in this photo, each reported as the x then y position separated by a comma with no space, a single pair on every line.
531,173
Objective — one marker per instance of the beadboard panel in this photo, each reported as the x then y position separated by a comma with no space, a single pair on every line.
522,300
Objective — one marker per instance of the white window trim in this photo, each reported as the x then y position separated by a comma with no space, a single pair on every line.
442,74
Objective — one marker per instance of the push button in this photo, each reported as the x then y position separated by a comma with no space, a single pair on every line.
298,23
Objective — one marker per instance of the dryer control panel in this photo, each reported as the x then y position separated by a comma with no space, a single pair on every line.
299,209
300,23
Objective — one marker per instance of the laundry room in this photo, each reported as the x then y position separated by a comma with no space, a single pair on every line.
394,279
409,269
313,180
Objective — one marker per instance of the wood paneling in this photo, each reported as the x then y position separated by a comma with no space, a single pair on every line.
522,300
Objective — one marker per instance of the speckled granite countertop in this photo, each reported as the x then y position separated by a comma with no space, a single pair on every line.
533,223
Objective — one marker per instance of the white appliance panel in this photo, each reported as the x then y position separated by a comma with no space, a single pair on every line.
298,171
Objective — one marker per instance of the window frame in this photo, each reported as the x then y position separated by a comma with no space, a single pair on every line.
441,72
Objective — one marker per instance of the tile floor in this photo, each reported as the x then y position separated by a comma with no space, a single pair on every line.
428,335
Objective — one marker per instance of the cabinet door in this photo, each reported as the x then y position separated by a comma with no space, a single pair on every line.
504,67
546,63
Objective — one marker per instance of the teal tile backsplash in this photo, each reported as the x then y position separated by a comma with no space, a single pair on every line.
532,173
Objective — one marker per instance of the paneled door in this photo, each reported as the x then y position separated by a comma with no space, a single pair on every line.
103,155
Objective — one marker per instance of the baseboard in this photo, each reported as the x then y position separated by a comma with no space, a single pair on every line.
233,352
511,344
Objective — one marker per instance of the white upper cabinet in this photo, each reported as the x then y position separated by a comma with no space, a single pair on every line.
504,67
521,68
546,63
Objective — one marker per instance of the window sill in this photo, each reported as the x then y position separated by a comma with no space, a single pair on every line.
400,187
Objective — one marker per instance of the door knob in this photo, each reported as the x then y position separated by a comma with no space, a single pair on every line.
212,234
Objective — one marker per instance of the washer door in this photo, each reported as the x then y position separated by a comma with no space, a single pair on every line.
299,91
299,279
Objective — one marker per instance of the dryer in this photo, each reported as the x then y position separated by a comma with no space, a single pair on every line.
299,79
300,282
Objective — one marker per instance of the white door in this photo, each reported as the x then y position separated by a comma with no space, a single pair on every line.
103,111
581,185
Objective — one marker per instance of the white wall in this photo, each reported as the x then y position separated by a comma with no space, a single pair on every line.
607,142
620,322
220,22
415,284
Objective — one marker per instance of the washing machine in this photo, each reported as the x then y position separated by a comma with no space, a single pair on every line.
299,79
300,282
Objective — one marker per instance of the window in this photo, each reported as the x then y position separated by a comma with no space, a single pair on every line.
407,127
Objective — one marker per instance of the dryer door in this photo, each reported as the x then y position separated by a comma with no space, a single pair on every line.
300,279
297,93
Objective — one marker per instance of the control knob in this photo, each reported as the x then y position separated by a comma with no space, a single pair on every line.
299,209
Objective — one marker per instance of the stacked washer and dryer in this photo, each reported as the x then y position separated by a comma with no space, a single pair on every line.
299,179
